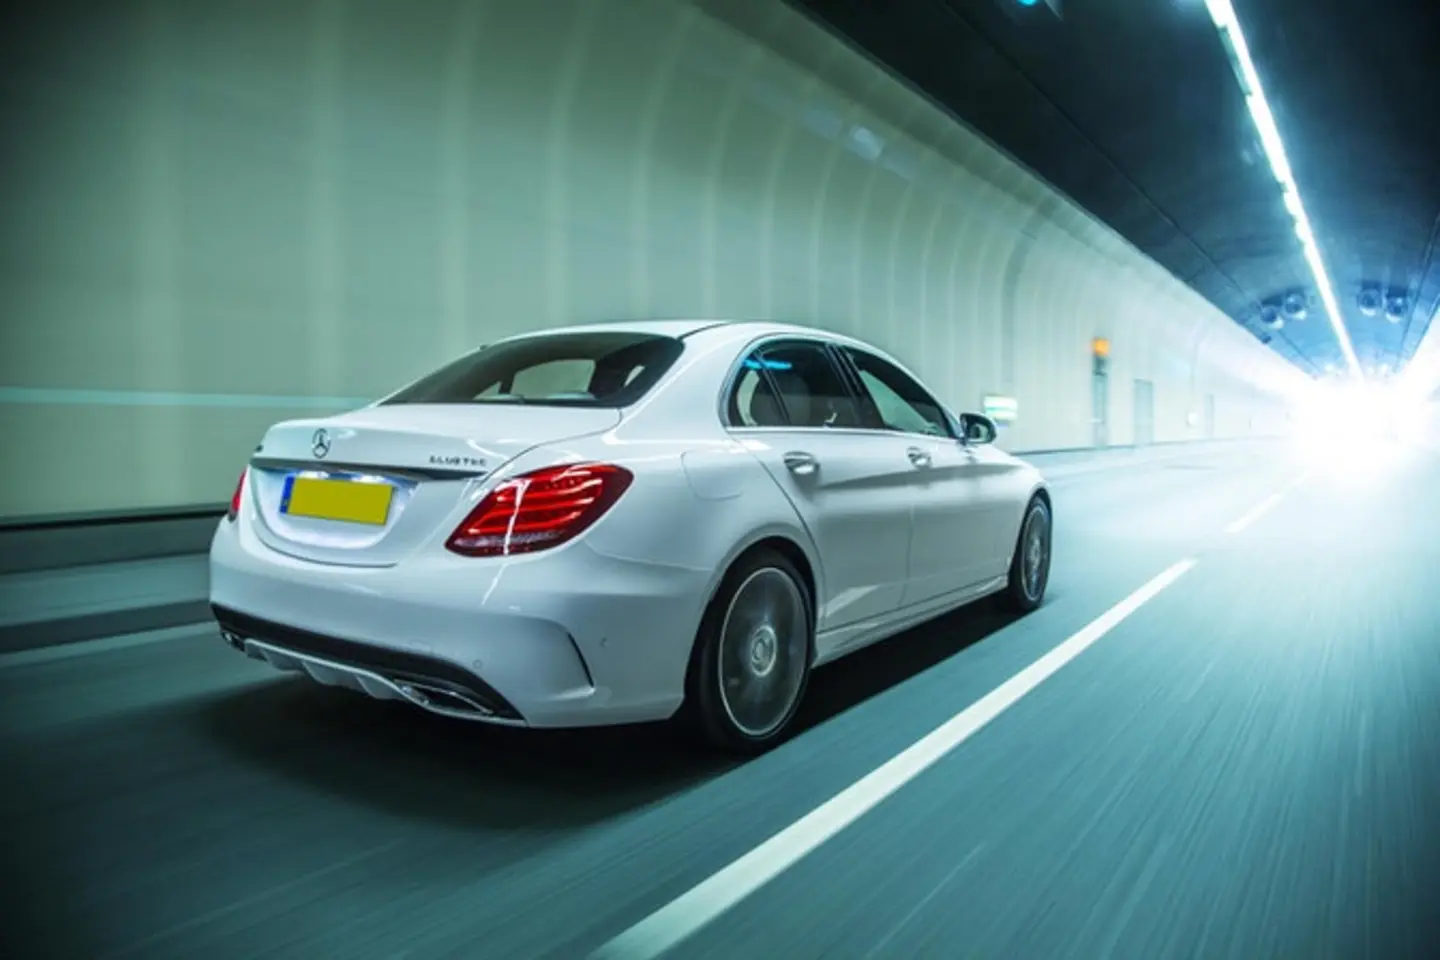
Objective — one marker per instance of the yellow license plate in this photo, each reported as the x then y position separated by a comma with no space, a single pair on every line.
345,500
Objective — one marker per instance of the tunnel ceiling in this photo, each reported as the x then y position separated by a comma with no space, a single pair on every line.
1131,107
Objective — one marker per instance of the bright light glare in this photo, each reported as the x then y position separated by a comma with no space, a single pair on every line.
1420,377
1358,425
1223,14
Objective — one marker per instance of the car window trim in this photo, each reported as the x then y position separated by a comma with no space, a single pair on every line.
857,386
769,382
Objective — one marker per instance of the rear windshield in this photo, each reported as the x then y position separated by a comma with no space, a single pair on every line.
592,369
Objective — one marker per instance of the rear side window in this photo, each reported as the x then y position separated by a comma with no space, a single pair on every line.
589,369
792,383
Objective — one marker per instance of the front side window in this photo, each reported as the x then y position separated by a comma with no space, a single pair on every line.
586,369
792,383
901,402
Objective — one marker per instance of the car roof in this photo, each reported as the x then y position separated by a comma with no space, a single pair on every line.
680,328
672,327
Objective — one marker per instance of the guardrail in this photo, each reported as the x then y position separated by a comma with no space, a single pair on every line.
57,542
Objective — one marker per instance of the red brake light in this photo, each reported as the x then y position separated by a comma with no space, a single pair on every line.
539,510
234,510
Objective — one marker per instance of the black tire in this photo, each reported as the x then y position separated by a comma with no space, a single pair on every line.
730,652
1025,590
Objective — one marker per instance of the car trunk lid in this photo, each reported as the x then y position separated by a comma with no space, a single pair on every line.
368,487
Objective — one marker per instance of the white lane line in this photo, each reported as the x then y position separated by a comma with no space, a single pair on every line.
684,916
1265,506
1255,514
85,648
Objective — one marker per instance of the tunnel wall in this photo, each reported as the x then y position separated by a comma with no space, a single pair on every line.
223,214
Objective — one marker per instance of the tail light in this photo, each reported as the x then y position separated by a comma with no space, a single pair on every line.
234,510
539,510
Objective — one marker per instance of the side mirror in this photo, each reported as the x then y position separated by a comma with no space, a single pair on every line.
978,429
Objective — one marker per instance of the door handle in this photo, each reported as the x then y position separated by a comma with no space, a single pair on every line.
918,457
800,463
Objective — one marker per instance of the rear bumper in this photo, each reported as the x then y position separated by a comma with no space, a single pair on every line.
567,638
427,682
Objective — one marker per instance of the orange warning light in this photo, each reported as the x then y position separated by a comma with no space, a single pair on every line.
1101,346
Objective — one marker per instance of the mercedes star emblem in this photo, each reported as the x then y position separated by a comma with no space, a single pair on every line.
320,444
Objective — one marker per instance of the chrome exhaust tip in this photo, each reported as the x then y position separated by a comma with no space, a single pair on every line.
439,699
238,643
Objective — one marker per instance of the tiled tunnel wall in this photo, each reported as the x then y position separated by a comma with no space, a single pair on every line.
223,214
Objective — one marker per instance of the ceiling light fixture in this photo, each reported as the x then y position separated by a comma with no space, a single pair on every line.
1223,14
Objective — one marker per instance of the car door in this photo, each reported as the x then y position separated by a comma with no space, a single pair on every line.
955,511
795,409
988,476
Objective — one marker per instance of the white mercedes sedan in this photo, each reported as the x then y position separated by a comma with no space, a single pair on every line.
624,522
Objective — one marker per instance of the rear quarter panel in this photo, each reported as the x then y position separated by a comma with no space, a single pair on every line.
692,505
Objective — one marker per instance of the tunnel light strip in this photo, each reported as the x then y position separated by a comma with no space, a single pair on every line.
1223,14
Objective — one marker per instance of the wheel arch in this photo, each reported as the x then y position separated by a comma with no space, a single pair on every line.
1042,493
789,545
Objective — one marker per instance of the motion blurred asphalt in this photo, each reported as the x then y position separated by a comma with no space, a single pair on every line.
1247,767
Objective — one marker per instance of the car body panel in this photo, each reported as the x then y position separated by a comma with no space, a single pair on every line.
966,529
855,508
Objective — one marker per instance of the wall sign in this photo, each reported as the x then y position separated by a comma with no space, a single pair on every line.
1001,409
